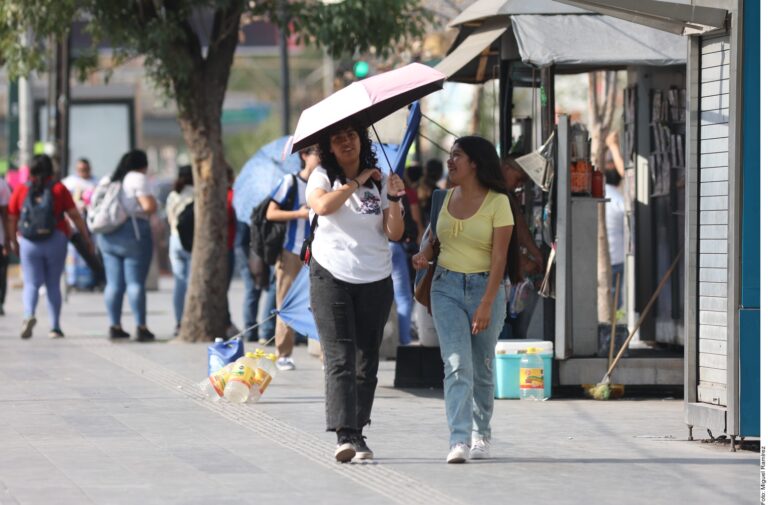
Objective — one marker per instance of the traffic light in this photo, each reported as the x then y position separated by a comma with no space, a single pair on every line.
360,69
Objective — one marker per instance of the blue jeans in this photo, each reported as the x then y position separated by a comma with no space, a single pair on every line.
268,304
126,264
401,280
181,260
468,359
42,263
252,292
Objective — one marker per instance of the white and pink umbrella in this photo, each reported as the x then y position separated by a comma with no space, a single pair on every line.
366,102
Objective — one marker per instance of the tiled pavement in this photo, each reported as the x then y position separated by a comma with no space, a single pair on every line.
86,421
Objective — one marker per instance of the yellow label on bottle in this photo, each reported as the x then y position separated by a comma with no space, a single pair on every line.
531,378
243,374
219,379
262,380
219,382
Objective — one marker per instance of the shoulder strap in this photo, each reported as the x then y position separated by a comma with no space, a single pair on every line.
438,197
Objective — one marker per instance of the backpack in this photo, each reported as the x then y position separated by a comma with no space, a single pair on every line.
106,212
37,220
185,225
268,237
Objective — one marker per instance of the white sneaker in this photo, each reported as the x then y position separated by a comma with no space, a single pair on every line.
285,364
481,449
459,453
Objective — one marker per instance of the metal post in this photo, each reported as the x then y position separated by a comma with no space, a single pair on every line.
286,112
62,105
12,137
26,135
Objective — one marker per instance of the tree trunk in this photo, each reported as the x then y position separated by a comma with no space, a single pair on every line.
205,306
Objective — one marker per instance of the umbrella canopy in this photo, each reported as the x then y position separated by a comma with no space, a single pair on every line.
366,101
260,175
295,309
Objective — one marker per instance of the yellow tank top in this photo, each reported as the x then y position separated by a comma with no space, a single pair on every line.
466,244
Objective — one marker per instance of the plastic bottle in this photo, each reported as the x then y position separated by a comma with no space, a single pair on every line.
241,379
214,385
215,362
532,375
265,371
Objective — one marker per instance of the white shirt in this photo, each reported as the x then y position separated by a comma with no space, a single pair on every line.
5,197
350,243
135,184
296,229
614,223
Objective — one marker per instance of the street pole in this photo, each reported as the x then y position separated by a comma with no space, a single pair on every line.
62,104
286,112
26,135
12,138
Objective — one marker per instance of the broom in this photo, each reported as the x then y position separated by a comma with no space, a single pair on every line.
602,390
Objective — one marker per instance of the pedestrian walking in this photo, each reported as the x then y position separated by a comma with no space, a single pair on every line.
179,199
474,227
358,210
37,212
83,269
127,251
291,189
5,241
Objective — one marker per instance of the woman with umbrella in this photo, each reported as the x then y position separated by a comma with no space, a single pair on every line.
358,210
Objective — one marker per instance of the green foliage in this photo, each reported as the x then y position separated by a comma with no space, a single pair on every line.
354,26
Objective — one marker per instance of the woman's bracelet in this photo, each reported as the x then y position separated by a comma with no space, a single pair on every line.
356,182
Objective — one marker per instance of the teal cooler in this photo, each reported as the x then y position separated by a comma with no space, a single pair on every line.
507,369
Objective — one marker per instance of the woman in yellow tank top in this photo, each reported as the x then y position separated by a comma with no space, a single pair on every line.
474,227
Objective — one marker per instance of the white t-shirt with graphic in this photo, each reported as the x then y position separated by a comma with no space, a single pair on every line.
351,243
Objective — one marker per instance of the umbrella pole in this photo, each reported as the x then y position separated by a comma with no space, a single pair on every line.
391,170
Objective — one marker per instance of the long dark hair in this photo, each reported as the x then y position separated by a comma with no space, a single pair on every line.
132,160
40,171
184,178
483,154
367,156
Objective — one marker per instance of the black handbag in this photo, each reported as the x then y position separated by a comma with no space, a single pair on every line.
306,247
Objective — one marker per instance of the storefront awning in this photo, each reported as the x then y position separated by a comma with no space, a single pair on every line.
473,59
589,42
485,9
571,42
670,16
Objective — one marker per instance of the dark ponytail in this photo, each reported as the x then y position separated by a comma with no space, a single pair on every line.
132,160
40,171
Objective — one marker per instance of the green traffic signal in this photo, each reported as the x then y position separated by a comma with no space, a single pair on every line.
360,69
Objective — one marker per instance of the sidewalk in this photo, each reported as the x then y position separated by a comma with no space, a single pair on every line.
83,420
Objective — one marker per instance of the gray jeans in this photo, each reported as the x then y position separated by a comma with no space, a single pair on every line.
350,320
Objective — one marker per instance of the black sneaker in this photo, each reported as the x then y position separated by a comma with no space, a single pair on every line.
56,333
144,335
345,450
26,327
117,333
362,451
